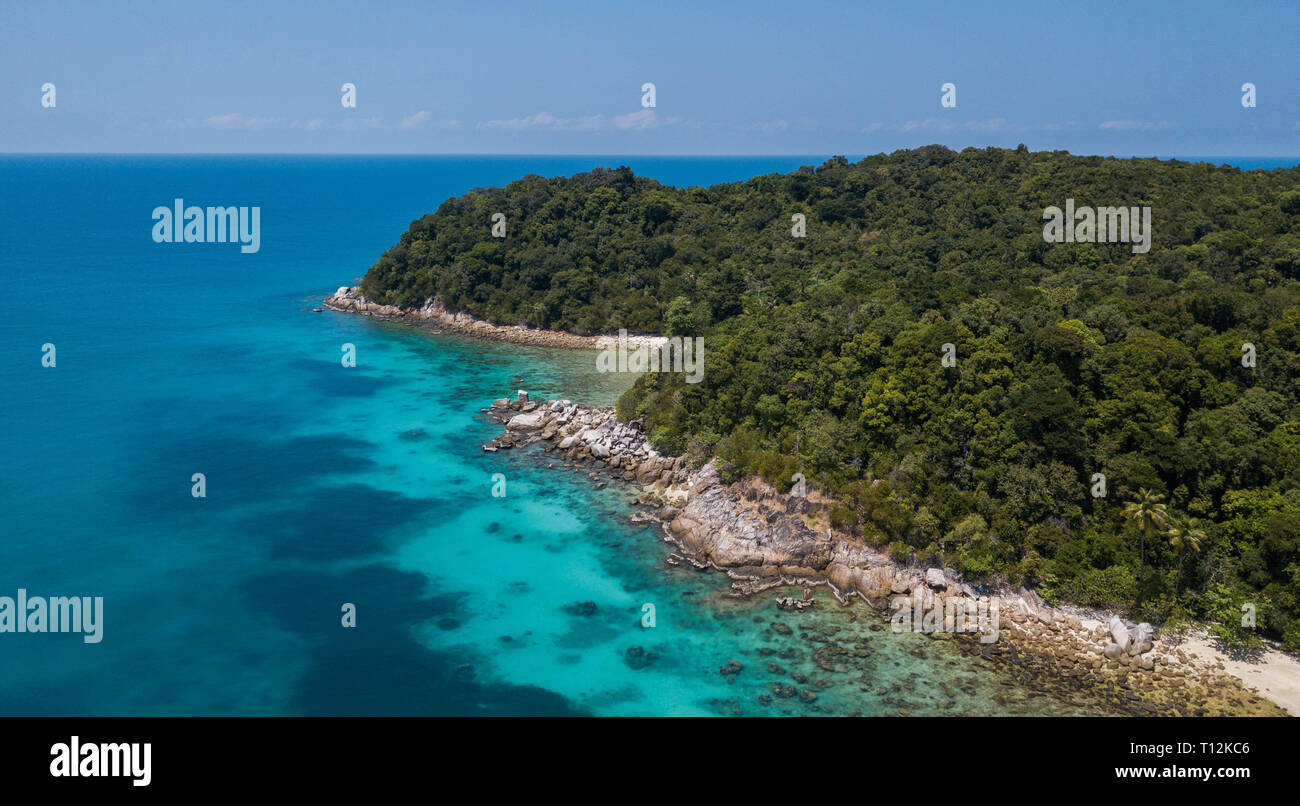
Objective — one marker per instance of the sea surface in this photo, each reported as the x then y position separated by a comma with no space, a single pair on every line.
329,485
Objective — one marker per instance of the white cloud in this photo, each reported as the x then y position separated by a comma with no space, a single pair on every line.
356,124
948,126
941,125
309,125
238,120
411,121
545,121
643,119
1133,125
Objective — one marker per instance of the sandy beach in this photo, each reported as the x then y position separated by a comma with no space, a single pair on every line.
1273,675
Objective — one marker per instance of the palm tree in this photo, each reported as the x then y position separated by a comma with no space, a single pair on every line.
1148,515
1185,534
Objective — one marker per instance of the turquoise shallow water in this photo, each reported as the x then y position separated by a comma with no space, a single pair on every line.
366,485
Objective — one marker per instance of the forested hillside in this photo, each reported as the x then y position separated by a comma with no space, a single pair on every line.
1072,359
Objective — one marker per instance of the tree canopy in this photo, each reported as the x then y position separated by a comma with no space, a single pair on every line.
823,353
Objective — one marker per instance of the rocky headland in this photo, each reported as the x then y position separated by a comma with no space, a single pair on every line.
763,539
434,314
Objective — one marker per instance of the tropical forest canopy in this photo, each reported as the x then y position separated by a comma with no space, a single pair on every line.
823,355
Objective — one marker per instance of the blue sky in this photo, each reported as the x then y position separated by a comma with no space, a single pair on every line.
731,78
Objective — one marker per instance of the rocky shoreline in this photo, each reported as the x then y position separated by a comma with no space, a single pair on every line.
433,313
763,540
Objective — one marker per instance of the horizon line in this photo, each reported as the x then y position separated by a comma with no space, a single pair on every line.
600,154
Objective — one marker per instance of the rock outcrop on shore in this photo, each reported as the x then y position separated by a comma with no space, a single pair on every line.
763,539
434,313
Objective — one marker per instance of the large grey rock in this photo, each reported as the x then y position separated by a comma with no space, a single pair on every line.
525,422
707,477
934,578
1119,633
1142,638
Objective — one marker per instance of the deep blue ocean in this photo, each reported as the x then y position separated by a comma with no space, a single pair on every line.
329,485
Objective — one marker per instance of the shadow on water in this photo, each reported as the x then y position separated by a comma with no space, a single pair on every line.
242,465
328,523
329,380
377,667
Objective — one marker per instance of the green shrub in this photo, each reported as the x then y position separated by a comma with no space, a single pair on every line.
900,551
1114,587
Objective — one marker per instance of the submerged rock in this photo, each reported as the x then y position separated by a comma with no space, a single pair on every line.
587,608
637,657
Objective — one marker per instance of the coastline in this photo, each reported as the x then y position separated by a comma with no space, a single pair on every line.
764,540
433,313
